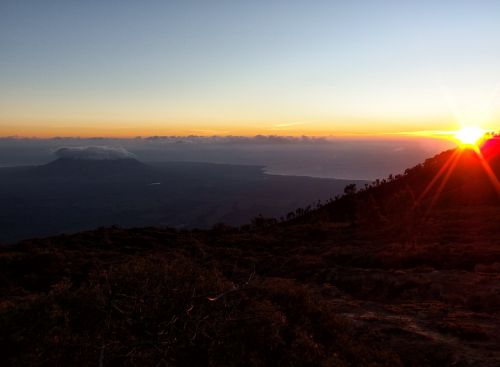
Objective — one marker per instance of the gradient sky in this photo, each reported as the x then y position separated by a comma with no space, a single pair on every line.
125,68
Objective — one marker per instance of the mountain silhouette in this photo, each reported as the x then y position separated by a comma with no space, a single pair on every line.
128,168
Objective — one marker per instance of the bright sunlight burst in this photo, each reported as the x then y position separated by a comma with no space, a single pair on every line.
470,136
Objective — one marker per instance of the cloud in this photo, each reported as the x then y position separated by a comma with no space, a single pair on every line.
94,153
234,139
286,125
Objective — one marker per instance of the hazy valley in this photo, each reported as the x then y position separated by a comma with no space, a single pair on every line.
70,194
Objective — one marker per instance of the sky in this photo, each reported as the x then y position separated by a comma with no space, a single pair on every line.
130,67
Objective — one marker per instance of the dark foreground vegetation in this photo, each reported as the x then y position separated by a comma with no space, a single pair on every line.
402,273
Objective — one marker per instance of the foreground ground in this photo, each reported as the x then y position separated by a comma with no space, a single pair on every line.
293,294
366,280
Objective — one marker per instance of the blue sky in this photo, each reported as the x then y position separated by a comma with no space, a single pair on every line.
324,67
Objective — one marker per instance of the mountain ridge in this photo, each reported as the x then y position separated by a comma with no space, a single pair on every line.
389,276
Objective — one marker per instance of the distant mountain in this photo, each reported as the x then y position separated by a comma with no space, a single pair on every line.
78,191
403,272
125,168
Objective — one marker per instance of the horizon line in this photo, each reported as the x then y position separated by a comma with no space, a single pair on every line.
433,134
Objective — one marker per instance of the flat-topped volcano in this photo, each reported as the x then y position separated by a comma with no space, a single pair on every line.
96,163
128,168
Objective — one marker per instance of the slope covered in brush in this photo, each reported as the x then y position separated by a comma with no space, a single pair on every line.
452,179
392,275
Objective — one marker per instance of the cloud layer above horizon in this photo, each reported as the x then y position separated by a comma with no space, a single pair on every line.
94,153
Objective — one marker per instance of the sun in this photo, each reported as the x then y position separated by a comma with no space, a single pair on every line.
470,136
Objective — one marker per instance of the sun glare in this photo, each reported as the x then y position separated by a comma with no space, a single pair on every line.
470,136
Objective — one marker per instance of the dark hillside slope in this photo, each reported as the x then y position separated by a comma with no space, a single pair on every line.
388,276
453,179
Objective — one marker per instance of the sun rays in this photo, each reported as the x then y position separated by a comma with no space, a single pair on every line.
470,138
488,170
471,145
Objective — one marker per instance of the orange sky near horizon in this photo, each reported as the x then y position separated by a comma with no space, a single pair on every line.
247,68
129,129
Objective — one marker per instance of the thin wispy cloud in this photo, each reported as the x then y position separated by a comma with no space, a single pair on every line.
94,153
286,125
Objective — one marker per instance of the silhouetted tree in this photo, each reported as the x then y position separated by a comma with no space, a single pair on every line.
350,189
